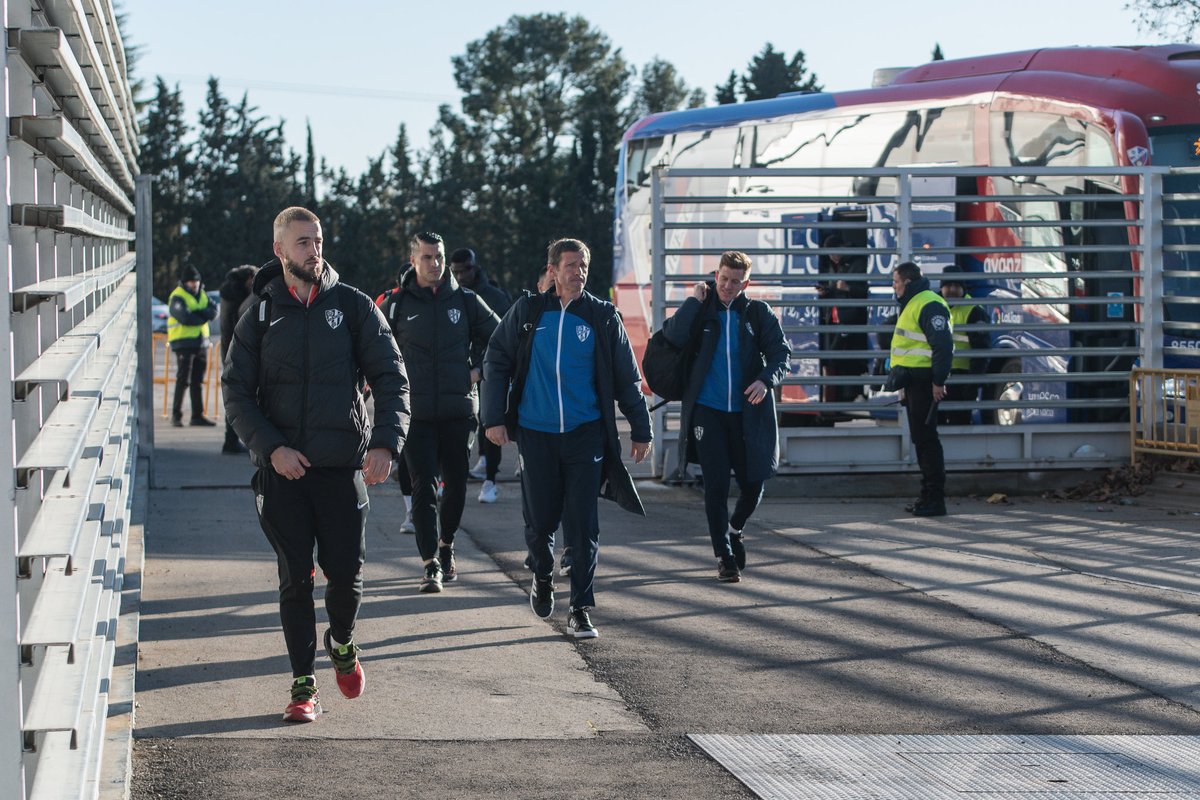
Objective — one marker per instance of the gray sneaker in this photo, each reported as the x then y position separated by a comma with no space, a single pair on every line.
431,582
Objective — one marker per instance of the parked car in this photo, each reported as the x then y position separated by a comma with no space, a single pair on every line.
158,315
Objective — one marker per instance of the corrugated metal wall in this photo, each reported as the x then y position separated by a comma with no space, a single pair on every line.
68,335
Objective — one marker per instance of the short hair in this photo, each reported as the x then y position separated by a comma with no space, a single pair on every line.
908,271
735,259
560,246
290,215
424,237
463,255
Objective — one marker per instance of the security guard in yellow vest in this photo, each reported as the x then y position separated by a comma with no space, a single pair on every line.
922,349
962,314
187,330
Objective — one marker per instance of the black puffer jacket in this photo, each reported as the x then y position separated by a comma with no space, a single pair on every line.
442,336
294,374
492,293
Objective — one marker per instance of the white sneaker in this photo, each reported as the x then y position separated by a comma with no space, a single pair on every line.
407,526
479,471
487,494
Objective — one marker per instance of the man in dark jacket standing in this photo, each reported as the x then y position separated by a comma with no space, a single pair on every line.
470,275
922,350
293,392
238,284
552,373
839,341
443,331
189,313
728,420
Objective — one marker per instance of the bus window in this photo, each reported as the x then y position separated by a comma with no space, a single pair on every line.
643,155
1031,139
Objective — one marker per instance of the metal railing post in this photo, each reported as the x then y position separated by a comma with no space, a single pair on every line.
658,297
1153,308
144,229
904,216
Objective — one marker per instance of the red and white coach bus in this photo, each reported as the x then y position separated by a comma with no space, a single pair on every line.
1080,108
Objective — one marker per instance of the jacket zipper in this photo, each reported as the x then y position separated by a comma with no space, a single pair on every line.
562,422
728,363
304,387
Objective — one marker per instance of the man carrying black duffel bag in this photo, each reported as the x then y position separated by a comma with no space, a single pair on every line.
728,420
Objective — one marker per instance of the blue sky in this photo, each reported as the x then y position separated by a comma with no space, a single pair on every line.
356,78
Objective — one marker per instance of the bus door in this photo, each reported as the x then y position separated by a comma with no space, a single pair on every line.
1085,283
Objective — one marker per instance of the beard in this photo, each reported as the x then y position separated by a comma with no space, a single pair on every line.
302,272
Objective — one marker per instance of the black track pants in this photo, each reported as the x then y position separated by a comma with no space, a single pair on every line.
325,510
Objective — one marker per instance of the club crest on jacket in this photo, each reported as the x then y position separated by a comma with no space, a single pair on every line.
334,317
698,432
454,315
582,332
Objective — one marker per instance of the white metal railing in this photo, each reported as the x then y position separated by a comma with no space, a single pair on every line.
1078,298
68,336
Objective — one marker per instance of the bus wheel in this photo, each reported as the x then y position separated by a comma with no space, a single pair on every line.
1009,392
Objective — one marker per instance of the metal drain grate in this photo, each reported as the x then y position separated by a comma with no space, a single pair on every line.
941,767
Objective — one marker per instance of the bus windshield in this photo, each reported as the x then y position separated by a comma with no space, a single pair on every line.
1177,148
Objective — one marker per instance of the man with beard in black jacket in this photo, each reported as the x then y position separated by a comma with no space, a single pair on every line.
237,287
470,275
293,392
442,330
553,371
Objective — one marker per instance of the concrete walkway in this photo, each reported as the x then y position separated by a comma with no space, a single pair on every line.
1033,617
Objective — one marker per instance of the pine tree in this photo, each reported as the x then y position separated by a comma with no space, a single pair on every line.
166,155
727,92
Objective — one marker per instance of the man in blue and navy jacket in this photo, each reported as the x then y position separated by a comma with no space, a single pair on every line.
552,372
728,420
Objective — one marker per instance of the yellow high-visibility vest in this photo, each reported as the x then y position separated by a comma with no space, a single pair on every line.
910,348
962,343
176,330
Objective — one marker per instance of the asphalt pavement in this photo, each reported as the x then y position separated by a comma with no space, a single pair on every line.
1029,617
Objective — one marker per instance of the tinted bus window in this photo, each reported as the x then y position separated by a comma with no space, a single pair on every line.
1029,139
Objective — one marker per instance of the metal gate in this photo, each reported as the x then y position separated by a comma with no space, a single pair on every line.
1072,280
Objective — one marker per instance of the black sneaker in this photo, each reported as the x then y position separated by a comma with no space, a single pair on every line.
202,422
541,598
176,422
431,582
579,624
738,547
446,557
727,571
930,508
921,500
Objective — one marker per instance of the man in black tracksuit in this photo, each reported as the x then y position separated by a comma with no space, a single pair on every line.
552,373
471,275
443,331
293,392
728,420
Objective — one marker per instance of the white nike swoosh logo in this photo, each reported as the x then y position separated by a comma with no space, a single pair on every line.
414,316
598,459
274,321
361,506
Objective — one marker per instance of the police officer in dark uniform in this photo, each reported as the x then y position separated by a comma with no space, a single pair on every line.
922,349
